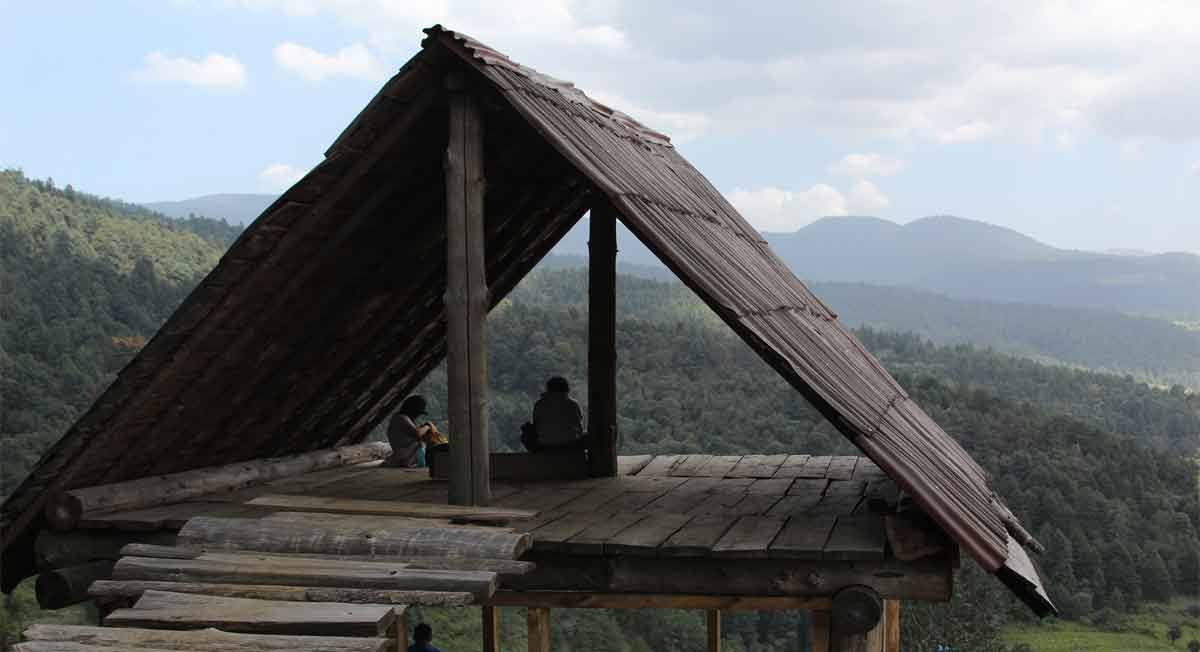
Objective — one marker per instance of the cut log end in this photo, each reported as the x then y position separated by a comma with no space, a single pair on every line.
64,587
856,610
63,511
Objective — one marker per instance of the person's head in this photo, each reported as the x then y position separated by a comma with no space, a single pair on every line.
557,384
423,633
413,406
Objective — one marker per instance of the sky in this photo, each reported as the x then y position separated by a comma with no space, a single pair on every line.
1077,123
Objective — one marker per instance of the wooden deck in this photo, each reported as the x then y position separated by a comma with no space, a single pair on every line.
750,507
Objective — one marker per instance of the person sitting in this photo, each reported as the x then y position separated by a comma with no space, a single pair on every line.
422,639
557,420
405,436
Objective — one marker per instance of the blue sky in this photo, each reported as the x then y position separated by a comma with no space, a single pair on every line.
1075,122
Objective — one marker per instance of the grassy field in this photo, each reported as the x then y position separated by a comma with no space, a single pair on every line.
1146,631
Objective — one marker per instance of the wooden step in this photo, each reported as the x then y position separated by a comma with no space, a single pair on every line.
390,508
169,610
52,638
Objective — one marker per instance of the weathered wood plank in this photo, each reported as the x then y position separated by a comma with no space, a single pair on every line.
689,465
499,566
390,508
199,640
719,466
632,464
363,575
592,540
792,466
807,487
794,505
802,537
770,486
588,600
841,497
856,537
644,537
677,501
165,610
350,535
814,467
841,468
750,537
169,517
660,465
697,537
133,589
757,466
553,535
632,501
753,505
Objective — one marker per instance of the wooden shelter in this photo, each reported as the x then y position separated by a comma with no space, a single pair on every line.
456,179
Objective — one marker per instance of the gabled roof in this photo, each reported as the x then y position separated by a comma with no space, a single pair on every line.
328,309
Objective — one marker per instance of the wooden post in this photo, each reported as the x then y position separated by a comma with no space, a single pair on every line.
602,340
857,622
712,618
491,629
401,629
539,629
466,299
820,631
891,619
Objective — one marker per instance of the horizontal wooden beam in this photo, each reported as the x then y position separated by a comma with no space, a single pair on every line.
118,591
584,600
126,638
928,579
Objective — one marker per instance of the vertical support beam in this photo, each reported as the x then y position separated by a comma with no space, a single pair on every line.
820,631
712,618
602,340
538,619
491,629
891,619
401,629
466,299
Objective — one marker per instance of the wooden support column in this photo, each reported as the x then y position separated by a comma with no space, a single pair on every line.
820,631
891,632
857,621
712,618
539,629
466,299
602,340
491,629
401,629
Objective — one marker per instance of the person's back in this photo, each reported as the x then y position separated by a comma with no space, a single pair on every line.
557,418
422,639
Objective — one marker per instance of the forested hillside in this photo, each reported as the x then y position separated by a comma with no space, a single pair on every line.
83,282
1091,462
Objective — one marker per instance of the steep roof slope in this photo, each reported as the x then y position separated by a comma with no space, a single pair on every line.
329,308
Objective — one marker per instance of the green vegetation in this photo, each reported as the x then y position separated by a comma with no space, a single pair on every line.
1109,631
20,609
1091,462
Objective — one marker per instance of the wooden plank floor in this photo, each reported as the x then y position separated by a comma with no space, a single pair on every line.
753,506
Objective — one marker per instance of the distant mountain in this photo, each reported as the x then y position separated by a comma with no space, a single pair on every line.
233,208
969,259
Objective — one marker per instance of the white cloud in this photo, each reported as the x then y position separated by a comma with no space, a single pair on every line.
1196,168
868,165
213,71
278,177
354,60
966,133
771,208
680,126
602,35
866,198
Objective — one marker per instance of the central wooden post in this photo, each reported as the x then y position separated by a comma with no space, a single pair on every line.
712,619
466,299
602,340
538,620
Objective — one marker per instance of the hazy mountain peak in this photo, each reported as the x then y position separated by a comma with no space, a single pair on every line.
237,208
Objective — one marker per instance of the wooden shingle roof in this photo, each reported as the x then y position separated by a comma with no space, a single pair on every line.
329,308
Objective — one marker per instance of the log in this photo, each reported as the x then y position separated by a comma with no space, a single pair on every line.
311,572
64,509
856,610
63,587
391,508
165,610
466,299
589,600
602,340
62,646
502,567
891,632
338,535
61,549
121,590
195,640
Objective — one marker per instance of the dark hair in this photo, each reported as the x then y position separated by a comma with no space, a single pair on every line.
414,405
422,632
557,384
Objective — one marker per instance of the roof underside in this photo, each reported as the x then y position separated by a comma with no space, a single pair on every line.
328,310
